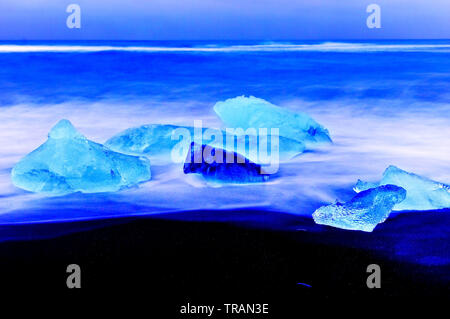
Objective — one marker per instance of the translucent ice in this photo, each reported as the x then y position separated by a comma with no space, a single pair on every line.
67,162
362,212
216,164
252,112
154,141
422,193
170,143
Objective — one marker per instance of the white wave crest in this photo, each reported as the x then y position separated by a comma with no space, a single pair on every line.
273,47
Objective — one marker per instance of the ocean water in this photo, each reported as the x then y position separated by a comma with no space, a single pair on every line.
384,103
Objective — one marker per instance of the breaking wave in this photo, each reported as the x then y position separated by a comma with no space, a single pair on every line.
269,47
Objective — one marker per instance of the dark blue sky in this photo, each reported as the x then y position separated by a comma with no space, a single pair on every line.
224,19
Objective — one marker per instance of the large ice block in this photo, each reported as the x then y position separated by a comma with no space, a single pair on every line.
362,212
170,143
422,193
68,162
218,165
156,141
252,112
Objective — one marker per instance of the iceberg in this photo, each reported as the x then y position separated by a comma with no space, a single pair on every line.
364,211
422,193
252,112
218,165
68,162
170,143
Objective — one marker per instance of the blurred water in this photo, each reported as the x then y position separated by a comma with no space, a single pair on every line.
383,102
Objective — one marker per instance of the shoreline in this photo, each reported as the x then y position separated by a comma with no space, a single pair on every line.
257,252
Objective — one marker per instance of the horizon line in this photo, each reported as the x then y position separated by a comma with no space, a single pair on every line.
239,40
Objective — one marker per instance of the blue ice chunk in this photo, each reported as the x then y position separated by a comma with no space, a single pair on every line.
170,143
362,212
252,112
68,162
422,193
154,141
218,165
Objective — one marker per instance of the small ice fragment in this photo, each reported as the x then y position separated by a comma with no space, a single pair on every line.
362,212
422,193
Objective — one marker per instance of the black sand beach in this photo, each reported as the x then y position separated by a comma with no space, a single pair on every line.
173,261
